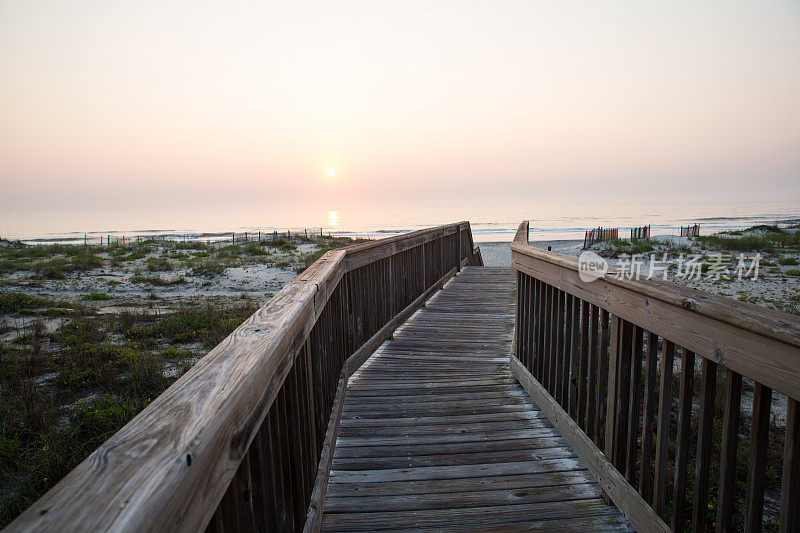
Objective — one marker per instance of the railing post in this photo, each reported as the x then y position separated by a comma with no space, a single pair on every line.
458,236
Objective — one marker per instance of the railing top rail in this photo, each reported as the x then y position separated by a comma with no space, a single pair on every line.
186,445
360,254
738,330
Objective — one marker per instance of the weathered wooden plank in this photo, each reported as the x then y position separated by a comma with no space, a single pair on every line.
469,518
442,438
553,493
462,485
635,509
457,435
557,449
464,428
407,450
454,472
441,419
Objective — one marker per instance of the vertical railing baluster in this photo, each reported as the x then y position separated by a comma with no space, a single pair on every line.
591,371
574,355
790,485
548,346
705,427
611,414
583,364
683,439
623,394
634,405
757,459
649,411
533,319
662,438
565,369
728,454
521,325
541,323
553,350
602,379
558,376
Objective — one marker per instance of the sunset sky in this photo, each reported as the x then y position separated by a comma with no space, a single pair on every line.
192,104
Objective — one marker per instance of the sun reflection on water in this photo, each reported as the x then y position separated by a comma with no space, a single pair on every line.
333,219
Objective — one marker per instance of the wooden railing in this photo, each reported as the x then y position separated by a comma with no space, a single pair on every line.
243,441
603,359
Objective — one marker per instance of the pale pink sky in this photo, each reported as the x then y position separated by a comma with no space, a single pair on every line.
114,104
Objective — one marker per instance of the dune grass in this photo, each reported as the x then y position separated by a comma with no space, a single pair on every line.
66,391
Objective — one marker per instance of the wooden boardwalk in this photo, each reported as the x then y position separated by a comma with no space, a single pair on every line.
436,433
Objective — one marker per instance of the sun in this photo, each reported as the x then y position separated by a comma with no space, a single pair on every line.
331,172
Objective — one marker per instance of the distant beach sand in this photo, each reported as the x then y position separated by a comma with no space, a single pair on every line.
499,253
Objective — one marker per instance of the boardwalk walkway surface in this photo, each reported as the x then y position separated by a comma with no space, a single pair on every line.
436,433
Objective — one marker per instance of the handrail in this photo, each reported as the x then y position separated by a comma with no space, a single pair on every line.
240,441
684,315
591,353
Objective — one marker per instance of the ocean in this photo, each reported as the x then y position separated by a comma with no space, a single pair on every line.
489,223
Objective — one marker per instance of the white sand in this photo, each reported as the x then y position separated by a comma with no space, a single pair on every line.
499,253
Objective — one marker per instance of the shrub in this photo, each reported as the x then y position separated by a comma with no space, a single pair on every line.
231,250
52,269
17,302
156,264
133,256
87,261
144,373
98,418
96,296
254,248
206,324
208,268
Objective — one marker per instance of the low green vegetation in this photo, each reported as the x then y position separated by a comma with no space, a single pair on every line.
158,264
763,238
96,296
619,247
158,281
74,369
67,390
17,302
